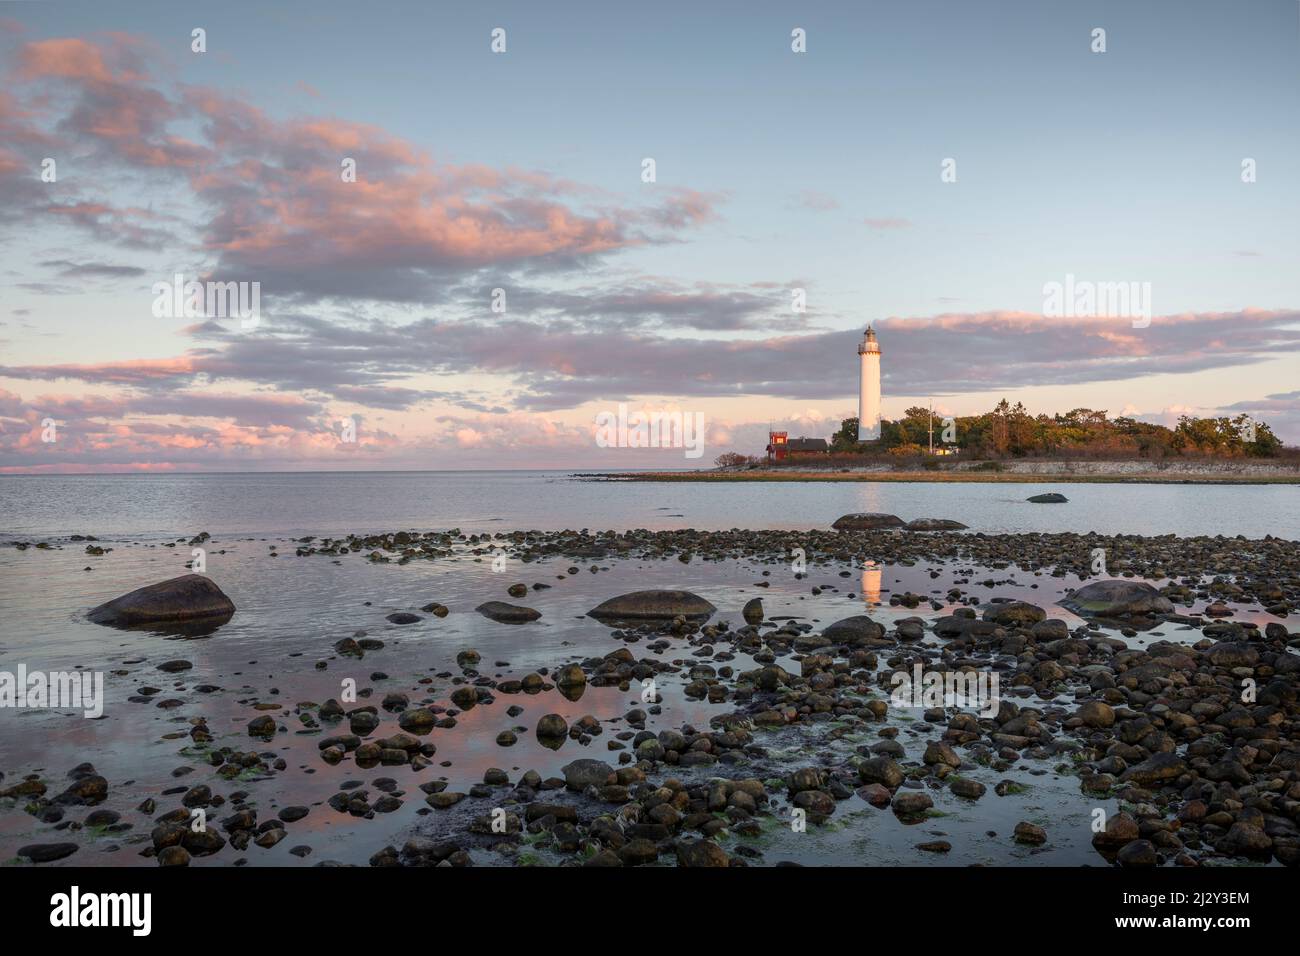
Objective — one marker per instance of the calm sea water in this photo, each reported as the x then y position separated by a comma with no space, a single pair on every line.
316,503
278,648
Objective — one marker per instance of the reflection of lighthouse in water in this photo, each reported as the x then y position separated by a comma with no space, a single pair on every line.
869,387
871,572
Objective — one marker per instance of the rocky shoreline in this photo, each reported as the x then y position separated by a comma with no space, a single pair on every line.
1189,747
1133,473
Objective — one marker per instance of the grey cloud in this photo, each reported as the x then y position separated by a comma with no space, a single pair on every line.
561,364
69,269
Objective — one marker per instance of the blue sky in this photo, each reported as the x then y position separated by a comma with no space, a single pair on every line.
818,170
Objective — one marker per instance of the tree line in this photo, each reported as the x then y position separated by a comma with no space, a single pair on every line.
1009,431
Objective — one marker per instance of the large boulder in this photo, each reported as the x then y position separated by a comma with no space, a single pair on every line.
1052,498
188,598
1117,598
934,524
1139,853
881,770
1233,654
552,726
1242,839
854,631
570,675
1156,769
505,613
585,773
1121,829
867,521
1014,613
47,852
701,853
653,606
1096,713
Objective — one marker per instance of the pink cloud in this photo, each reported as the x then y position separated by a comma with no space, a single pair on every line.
280,208
128,372
67,58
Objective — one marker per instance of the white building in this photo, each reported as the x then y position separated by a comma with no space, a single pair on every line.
869,387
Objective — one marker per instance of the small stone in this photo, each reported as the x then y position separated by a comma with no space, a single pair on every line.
1138,853
1095,713
1029,833
552,726
911,802
970,789
47,852
173,856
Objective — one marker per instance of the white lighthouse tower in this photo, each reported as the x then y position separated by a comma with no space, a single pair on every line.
869,387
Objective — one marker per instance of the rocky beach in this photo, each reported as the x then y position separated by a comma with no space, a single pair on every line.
1018,471
535,437
672,697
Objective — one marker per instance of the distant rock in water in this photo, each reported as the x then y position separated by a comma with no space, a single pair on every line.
403,617
653,606
934,524
1052,498
1117,598
867,521
190,598
505,613
854,631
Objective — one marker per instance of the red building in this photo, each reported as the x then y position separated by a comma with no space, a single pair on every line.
781,446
